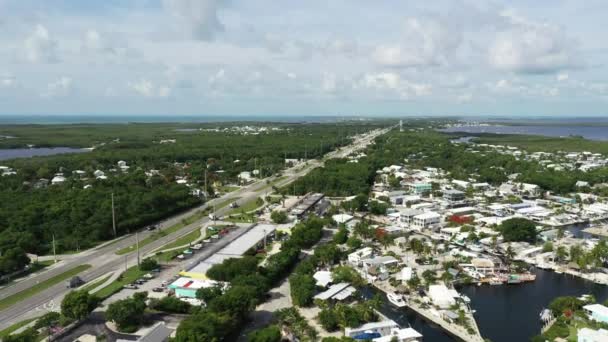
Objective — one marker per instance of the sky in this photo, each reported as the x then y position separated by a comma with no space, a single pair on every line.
314,57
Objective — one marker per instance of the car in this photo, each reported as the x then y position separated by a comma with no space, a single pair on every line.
164,283
148,276
158,289
140,281
131,286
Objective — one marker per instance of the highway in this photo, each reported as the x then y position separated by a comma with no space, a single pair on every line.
104,259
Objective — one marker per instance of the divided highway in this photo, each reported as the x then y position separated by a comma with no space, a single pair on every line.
104,259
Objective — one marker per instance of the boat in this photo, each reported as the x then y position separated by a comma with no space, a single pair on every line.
513,279
396,299
465,298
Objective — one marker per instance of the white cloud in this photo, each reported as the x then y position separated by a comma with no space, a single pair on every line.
61,87
199,16
426,42
464,98
7,81
393,83
529,47
561,77
328,82
147,88
39,46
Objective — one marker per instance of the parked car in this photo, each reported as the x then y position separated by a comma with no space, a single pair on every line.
148,276
131,286
75,282
158,289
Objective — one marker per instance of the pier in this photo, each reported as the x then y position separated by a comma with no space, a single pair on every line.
453,329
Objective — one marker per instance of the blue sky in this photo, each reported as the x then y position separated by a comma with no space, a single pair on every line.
338,57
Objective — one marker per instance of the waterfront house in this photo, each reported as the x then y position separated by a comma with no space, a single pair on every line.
382,328
337,292
453,196
400,335
420,188
597,312
441,296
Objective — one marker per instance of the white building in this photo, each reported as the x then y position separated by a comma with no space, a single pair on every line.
441,296
356,257
57,180
426,220
589,335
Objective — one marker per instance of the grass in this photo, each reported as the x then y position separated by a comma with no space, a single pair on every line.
127,277
17,297
247,206
15,327
228,188
159,234
274,182
184,240
95,284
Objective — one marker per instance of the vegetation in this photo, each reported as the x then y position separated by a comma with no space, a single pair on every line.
269,334
278,216
78,304
226,312
303,289
148,264
170,304
342,316
127,277
77,213
128,313
518,229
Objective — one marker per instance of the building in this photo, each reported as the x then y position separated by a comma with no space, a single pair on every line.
400,335
597,312
187,287
356,257
441,296
589,335
407,215
426,220
382,328
420,188
453,195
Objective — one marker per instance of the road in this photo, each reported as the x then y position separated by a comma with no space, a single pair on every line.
104,259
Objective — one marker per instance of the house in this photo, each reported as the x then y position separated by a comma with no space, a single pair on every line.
589,335
57,180
245,177
400,335
581,184
420,188
453,196
337,292
483,265
597,312
441,296
381,328
407,215
461,184
186,287
385,261
426,220
356,257
323,278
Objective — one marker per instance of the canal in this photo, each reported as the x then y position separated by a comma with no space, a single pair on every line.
505,313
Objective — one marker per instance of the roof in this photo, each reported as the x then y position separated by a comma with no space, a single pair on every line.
332,291
597,308
593,335
427,215
323,278
401,334
159,333
381,260
189,283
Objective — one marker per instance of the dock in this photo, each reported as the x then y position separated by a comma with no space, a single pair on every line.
453,329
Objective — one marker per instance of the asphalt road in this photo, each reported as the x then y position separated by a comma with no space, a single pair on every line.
104,259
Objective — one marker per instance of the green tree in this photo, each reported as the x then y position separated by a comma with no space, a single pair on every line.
77,305
207,294
547,247
518,229
128,313
561,254
268,334
278,216
148,264
303,289
328,254
205,326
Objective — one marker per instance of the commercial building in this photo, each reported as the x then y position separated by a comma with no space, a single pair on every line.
426,220
597,312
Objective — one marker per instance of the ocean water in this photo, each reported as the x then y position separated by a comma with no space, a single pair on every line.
101,119
40,151
575,129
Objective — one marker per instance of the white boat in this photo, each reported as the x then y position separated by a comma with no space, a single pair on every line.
396,299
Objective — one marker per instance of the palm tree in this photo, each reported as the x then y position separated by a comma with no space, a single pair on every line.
509,254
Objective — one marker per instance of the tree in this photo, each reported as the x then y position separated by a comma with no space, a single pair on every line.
238,301
207,294
148,264
576,252
429,277
278,216
233,267
268,334
547,247
561,254
128,313
341,236
205,326
13,260
518,229
77,305
347,274
170,304
303,288
328,254
560,304
509,254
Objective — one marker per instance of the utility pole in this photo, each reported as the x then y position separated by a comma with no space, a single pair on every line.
113,217
54,250
137,245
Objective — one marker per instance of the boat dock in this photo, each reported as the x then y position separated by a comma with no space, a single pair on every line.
453,329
